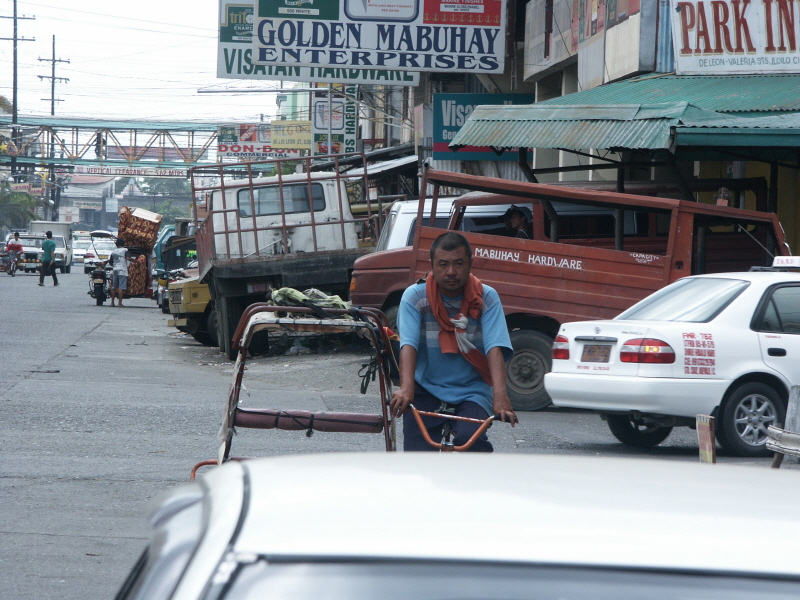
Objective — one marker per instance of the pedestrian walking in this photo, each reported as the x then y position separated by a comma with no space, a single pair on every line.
48,259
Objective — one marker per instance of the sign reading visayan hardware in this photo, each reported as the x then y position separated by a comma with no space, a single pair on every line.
735,36
460,36
234,56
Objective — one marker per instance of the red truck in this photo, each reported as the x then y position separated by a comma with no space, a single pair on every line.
591,254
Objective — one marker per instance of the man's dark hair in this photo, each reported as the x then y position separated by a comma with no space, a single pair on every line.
120,242
49,234
450,241
517,211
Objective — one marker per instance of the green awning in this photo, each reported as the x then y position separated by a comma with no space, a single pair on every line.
625,126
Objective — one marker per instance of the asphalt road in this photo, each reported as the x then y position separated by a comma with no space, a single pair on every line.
102,409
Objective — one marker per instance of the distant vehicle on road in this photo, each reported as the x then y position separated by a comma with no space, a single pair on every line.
296,527
726,345
79,248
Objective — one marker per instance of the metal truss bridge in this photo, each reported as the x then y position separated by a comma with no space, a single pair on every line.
148,148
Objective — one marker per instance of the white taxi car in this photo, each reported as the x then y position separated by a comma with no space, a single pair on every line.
726,345
396,526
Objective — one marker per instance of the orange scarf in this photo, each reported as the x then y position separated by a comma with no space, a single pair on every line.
453,332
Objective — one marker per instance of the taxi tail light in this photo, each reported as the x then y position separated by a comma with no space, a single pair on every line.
561,348
647,350
88,255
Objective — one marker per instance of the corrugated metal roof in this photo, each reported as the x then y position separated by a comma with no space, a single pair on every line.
723,93
632,126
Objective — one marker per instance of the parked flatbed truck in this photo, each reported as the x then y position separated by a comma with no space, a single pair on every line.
266,229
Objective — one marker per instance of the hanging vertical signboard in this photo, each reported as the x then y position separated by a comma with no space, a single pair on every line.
456,36
733,36
335,118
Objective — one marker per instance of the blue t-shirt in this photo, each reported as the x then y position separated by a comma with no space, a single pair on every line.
450,377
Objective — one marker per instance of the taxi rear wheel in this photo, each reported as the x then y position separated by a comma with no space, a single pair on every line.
745,416
637,432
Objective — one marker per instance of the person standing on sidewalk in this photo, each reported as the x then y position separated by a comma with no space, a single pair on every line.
48,259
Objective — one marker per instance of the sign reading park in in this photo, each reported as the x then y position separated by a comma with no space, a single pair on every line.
459,36
235,56
735,36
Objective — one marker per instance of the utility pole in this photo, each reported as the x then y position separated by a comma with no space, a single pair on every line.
55,197
15,104
52,77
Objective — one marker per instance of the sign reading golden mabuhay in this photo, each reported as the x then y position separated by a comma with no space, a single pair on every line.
462,36
735,36
235,54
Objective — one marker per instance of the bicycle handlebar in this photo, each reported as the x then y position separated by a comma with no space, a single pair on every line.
485,424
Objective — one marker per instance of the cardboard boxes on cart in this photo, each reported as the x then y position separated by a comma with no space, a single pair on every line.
139,228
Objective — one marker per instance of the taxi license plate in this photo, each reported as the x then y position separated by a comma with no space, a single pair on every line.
103,256
596,353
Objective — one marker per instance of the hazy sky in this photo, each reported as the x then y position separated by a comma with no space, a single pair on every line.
138,60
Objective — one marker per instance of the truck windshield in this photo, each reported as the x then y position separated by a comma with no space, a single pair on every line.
696,300
267,200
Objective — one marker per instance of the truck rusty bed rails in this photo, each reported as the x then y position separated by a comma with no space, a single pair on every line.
231,215
258,317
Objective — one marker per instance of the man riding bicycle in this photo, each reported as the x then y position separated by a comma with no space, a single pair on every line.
454,343
14,249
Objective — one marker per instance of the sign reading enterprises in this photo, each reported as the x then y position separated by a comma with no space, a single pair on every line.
735,36
459,36
235,52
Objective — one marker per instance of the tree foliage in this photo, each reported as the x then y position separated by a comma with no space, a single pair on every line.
166,186
16,208
169,211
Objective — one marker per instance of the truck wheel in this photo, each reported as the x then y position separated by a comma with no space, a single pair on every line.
202,337
525,371
227,320
391,316
745,416
211,327
636,433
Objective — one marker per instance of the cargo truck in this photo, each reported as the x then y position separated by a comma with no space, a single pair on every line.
591,254
277,224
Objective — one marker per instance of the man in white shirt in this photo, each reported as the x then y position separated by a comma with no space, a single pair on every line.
119,275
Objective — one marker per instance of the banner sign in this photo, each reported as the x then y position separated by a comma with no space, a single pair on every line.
451,111
126,171
235,53
292,134
735,36
249,141
88,204
342,113
456,36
